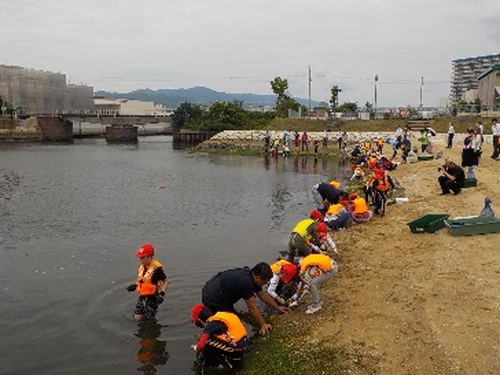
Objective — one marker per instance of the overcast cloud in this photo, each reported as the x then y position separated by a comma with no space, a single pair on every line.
240,45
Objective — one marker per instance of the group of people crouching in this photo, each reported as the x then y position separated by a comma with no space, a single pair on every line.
281,285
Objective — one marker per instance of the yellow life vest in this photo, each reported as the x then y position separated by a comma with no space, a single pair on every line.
360,205
235,328
334,209
302,226
144,285
367,145
322,261
276,266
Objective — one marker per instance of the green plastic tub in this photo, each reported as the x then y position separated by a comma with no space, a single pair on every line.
428,223
425,157
470,182
473,226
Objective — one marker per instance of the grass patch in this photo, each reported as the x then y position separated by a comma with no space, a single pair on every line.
290,350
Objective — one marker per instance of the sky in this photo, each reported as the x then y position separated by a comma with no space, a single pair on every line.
239,46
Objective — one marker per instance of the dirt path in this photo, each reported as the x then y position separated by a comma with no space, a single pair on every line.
420,303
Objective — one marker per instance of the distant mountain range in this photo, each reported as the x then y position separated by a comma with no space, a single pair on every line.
172,98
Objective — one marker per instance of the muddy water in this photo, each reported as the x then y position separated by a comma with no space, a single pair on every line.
72,218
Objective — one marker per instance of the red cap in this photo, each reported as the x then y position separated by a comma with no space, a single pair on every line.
316,215
195,312
353,197
288,271
145,250
322,229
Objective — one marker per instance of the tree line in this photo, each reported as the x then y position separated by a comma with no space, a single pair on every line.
232,116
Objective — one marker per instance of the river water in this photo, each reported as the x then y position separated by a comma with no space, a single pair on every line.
73,217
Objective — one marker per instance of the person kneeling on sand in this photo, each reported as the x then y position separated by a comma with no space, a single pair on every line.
453,177
315,269
359,209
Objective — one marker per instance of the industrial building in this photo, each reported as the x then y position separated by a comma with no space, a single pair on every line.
489,88
466,73
33,91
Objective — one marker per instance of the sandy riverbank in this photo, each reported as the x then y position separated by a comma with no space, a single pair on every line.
417,304
421,303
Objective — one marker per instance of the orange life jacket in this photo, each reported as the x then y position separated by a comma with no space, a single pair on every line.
235,328
382,183
144,285
322,261
360,205
334,209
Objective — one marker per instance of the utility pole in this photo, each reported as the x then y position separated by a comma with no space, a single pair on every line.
310,81
421,86
375,102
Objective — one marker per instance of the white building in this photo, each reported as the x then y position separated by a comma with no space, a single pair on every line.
126,107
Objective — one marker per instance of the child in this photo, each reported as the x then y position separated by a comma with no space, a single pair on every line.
315,269
224,338
151,285
359,209
284,274
380,184
316,146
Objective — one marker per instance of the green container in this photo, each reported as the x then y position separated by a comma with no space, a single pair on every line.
470,182
428,223
425,157
472,226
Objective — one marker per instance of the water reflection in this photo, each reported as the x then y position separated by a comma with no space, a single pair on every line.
152,351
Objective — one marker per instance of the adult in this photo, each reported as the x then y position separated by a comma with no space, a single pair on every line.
469,154
424,139
451,134
304,236
452,178
495,130
341,138
399,136
324,195
305,141
326,134
226,288
151,284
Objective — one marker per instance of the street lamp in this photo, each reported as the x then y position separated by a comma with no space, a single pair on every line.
421,85
375,102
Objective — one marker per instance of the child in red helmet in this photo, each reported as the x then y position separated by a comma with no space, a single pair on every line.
284,275
152,283
224,339
325,241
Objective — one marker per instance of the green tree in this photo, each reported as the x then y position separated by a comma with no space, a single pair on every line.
185,114
334,100
280,88
284,101
349,107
